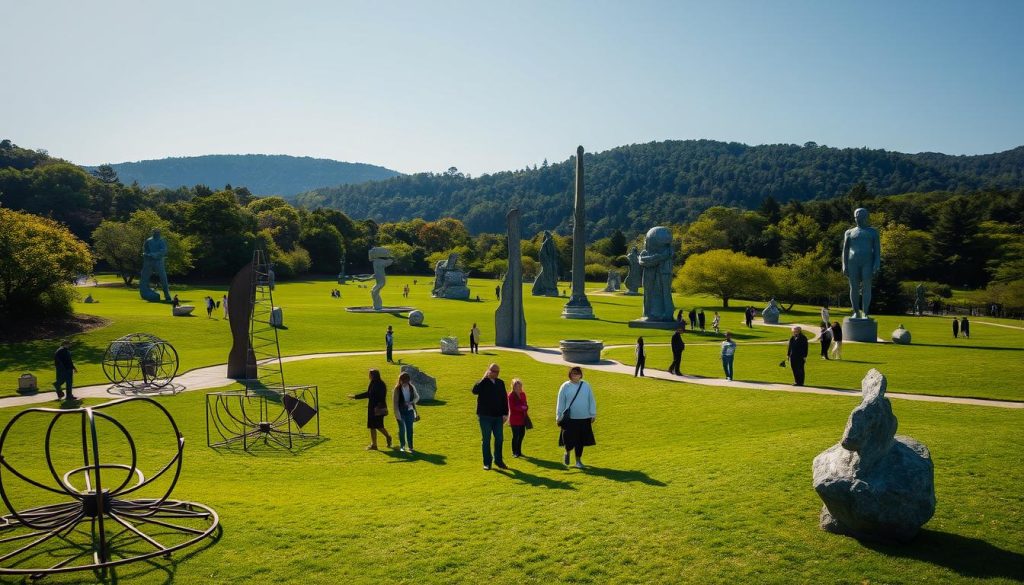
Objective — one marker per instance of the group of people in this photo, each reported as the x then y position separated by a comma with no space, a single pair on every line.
575,411
335,293
830,337
697,319
961,327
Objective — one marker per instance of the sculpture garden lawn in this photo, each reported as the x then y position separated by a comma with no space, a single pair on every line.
687,484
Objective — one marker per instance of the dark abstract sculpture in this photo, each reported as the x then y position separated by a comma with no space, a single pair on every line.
546,283
141,362
272,416
241,364
578,306
509,319
634,280
90,511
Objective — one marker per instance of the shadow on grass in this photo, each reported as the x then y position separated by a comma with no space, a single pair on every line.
259,447
970,347
968,557
535,480
623,475
132,572
432,402
400,457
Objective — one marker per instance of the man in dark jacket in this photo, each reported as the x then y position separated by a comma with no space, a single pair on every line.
492,410
677,352
797,354
693,319
65,369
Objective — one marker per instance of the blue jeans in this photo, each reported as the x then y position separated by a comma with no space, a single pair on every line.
727,365
492,425
405,428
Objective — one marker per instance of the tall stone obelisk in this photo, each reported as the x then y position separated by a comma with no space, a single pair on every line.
509,319
578,306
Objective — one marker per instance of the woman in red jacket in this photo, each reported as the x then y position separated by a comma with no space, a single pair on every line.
517,417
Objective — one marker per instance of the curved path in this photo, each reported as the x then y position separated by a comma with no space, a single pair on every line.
213,377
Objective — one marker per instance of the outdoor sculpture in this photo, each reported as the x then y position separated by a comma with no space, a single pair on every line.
919,300
656,260
141,362
154,251
876,485
380,258
546,284
108,506
449,281
614,281
578,306
771,313
509,319
635,277
862,256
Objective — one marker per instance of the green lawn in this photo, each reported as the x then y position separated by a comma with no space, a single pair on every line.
686,484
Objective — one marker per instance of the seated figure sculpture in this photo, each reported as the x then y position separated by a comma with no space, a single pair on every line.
656,260
876,485
449,280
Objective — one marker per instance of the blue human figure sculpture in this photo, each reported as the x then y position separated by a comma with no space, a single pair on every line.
862,256
656,260
153,253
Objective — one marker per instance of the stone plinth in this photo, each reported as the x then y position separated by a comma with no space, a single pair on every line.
648,324
581,351
860,329
182,310
580,309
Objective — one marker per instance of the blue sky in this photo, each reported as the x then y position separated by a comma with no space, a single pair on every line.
490,86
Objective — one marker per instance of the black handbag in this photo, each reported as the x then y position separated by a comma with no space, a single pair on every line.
565,413
529,423
381,410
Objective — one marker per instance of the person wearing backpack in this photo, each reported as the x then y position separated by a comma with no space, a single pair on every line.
575,412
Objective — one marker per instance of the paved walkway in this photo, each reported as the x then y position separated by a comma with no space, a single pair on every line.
214,377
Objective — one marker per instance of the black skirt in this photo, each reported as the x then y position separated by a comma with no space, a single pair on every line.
577,432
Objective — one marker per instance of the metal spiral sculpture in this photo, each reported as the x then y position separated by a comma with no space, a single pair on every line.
97,514
141,362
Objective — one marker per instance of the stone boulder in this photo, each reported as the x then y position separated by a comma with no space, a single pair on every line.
425,385
771,313
182,310
876,485
416,318
901,336
450,345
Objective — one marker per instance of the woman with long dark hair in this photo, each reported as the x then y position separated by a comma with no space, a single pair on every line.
575,412
641,357
404,400
376,408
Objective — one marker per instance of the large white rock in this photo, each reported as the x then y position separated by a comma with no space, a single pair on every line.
182,310
875,485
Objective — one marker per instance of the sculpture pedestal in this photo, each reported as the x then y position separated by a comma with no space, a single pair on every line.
647,324
578,308
860,329
581,351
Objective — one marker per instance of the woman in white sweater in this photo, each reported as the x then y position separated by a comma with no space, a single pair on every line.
575,412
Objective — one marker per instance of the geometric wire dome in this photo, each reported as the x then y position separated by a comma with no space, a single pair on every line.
139,362
102,517
267,409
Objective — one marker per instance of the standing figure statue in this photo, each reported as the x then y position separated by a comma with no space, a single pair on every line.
153,253
656,260
862,257
546,283
380,258
919,302
635,277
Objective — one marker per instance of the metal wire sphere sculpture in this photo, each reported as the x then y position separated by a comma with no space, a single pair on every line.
97,521
140,361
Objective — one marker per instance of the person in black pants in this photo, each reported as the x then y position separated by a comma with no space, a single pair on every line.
965,327
65,369
693,319
677,352
492,411
825,339
376,408
796,353
474,339
389,343
641,358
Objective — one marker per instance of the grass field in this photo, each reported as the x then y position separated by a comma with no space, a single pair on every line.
687,484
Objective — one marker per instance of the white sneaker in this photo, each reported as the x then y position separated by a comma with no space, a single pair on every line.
579,465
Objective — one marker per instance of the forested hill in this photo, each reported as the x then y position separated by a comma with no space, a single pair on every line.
634,187
263,174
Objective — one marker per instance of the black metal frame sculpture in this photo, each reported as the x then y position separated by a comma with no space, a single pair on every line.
141,363
273,415
118,529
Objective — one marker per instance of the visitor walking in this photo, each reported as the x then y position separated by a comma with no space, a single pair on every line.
701,320
956,328
224,305
826,318
474,339
837,341
404,399
796,353
728,352
497,292
66,369
748,316
693,319
492,412
209,307
825,339
677,352
175,302
518,417
641,357
575,412
716,321
965,327
389,343
679,316
376,396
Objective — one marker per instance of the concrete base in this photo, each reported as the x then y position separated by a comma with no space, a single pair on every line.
859,329
581,351
645,324
578,308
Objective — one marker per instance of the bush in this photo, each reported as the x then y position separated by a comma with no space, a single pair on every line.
596,272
